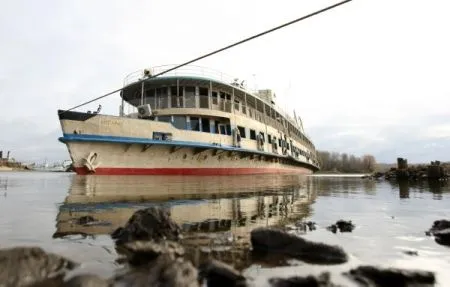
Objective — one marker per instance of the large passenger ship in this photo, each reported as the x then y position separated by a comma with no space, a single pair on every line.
191,120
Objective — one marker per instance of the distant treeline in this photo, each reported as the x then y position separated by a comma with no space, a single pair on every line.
346,163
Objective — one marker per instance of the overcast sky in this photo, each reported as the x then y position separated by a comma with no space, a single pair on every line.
371,76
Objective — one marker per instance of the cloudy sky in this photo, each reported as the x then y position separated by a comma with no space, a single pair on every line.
371,76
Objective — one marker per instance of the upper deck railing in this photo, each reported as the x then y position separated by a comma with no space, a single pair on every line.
190,70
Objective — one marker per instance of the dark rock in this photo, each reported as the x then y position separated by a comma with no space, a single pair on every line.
373,276
22,266
342,226
142,252
152,223
442,236
439,225
332,228
163,272
441,231
87,280
323,280
304,226
271,240
219,274
345,226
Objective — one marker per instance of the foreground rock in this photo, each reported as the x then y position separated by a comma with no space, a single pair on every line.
148,224
270,240
164,271
441,231
23,266
342,226
142,252
374,276
323,280
219,274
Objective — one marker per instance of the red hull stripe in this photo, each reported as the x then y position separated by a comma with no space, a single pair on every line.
190,171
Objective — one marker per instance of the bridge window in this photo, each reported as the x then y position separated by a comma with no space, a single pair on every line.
269,139
179,122
195,124
189,95
205,125
204,99
166,119
150,98
215,101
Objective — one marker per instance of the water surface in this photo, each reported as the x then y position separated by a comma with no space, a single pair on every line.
217,214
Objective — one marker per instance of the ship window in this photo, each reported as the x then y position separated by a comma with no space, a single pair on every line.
269,138
179,122
222,129
205,125
163,99
177,101
189,95
287,146
195,124
228,129
150,97
279,142
236,105
166,119
242,131
252,134
262,135
214,98
203,91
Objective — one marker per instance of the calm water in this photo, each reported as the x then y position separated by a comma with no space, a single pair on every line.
217,214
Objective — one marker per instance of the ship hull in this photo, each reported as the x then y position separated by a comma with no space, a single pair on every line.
132,159
108,145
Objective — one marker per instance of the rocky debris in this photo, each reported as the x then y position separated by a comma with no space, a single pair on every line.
441,231
87,280
163,272
374,276
304,226
434,171
142,252
23,266
323,280
269,240
219,274
148,224
438,225
442,237
342,226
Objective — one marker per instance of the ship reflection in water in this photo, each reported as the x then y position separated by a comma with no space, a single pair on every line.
215,213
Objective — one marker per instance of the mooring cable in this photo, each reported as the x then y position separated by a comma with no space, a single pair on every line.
217,51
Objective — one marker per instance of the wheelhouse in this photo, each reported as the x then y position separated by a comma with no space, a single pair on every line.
204,100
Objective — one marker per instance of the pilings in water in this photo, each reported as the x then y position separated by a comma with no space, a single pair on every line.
434,171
